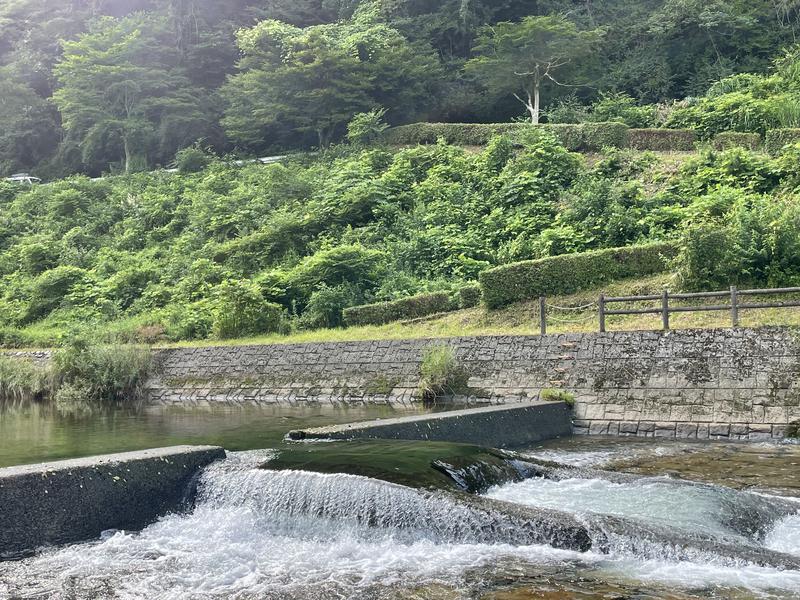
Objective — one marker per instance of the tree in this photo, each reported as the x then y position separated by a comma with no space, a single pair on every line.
123,94
520,58
316,79
28,126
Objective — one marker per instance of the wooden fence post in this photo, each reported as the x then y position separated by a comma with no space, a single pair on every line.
602,303
734,306
665,310
543,315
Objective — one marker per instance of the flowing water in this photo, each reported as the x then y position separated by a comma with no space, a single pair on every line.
723,531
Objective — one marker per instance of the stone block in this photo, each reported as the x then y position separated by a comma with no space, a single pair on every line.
719,429
686,430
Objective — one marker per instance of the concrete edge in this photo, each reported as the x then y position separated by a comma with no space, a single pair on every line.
75,500
496,426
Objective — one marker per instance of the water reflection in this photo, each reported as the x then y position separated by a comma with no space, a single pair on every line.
39,433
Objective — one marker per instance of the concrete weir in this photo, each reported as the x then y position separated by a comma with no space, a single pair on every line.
76,500
495,426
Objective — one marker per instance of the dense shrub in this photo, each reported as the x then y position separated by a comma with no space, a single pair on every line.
663,140
469,296
735,139
622,108
571,273
23,380
575,137
398,310
777,139
366,128
756,242
192,160
240,311
326,306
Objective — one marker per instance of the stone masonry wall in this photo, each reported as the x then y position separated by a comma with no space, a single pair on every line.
718,384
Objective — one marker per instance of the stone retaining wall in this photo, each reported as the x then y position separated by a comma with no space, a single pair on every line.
719,384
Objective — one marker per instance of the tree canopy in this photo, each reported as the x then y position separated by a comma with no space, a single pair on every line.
407,56
521,58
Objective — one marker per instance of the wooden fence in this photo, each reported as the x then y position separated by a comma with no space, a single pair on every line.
734,305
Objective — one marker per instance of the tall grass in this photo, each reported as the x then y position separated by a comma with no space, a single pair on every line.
441,375
80,376
24,381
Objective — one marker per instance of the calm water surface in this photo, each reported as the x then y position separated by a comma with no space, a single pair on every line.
39,434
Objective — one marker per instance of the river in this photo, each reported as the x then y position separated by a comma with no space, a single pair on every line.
669,520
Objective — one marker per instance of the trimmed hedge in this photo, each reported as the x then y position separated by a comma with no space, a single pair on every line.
736,139
663,140
470,296
571,273
777,139
398,310
585,137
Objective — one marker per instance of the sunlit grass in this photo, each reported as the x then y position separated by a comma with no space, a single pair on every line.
523,319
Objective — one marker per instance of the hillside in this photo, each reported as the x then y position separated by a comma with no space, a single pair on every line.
94,86
241,251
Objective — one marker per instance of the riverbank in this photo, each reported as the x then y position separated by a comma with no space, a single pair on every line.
706,384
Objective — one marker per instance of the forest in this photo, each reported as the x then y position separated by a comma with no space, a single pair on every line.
98,86
429,143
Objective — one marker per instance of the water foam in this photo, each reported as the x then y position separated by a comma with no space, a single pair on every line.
261,534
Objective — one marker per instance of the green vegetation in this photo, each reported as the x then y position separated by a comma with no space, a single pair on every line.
399,310
81,376
571,273
366,235
586,137
395,223
550,395
441,375
113,86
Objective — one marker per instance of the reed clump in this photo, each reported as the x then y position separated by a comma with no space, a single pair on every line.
80,375
441,375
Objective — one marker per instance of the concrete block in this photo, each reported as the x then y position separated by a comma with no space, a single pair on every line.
75,500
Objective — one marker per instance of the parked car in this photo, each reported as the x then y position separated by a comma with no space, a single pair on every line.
24,178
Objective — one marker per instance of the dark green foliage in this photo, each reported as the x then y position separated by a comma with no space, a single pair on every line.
571,273
749,241
415,307
240,311
586,137
192,160
663,140
777,139
622,108
470,296
735,139
326,306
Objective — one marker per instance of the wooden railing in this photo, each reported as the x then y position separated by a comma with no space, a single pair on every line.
665,308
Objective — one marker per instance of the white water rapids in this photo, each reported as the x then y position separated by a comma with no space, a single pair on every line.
262,534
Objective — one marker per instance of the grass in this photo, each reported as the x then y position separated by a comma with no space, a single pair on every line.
523,319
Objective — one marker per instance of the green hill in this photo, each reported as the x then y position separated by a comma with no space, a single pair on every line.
238,251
